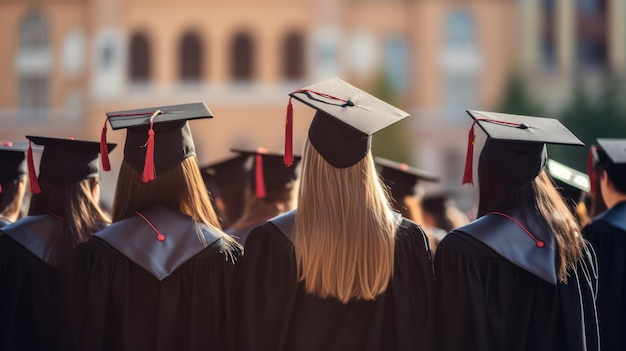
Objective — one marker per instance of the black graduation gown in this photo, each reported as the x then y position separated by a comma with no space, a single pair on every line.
486,302
277,313
122,303
32,313
608,238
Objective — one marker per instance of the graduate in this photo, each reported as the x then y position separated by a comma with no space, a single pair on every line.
12,180
402,182
270,190
225,180
34,251
160,277
343,271
607,234
520,277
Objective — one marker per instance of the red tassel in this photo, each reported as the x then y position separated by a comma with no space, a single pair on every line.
590,170
148,167
0,188
104,150
34,183
468,177
288,157
259,179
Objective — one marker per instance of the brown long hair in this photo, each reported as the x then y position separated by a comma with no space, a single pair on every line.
536,198
274,203
344,229
180,189
11,196
81,213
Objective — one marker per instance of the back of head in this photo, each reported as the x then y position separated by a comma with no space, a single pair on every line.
512,178
344,229
610,156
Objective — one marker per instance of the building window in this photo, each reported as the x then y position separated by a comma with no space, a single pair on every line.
33,92
139,60
190,59
34,31
592,22
396,62
243,57
34,62
548,34
462,63
293,57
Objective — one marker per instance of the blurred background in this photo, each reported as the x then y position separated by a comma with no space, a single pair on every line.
64,63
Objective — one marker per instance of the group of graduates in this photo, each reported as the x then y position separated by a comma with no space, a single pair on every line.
339,255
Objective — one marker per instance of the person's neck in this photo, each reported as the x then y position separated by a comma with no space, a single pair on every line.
614,198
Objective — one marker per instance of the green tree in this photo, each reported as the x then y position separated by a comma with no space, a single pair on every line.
592,114
392,142
517,98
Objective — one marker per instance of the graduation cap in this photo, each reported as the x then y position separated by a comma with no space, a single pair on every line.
515,144
570,183
225,172
157,138
13,160
344,122
64,161
402,178
611,155
268,172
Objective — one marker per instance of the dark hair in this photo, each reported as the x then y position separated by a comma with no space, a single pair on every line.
82,215
10,199
536,198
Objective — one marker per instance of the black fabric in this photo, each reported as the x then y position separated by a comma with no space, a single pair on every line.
12,165
117,305
340,144
401,179
609,243
68,161
277,313
241,234
32,311
173,143
487,303
516,163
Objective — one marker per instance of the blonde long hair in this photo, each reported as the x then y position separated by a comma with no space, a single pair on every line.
344,230
180,189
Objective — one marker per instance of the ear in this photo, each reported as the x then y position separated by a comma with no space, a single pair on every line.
605,181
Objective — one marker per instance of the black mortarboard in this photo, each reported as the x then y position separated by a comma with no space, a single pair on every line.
12,160
65,161
571,183
225,172
611,155
346,118
402,178
157,138
268,173
515,144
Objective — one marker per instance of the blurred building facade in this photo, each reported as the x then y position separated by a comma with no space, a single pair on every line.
65,63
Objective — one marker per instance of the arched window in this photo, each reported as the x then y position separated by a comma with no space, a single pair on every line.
243,57
139,59
190,59
293,57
